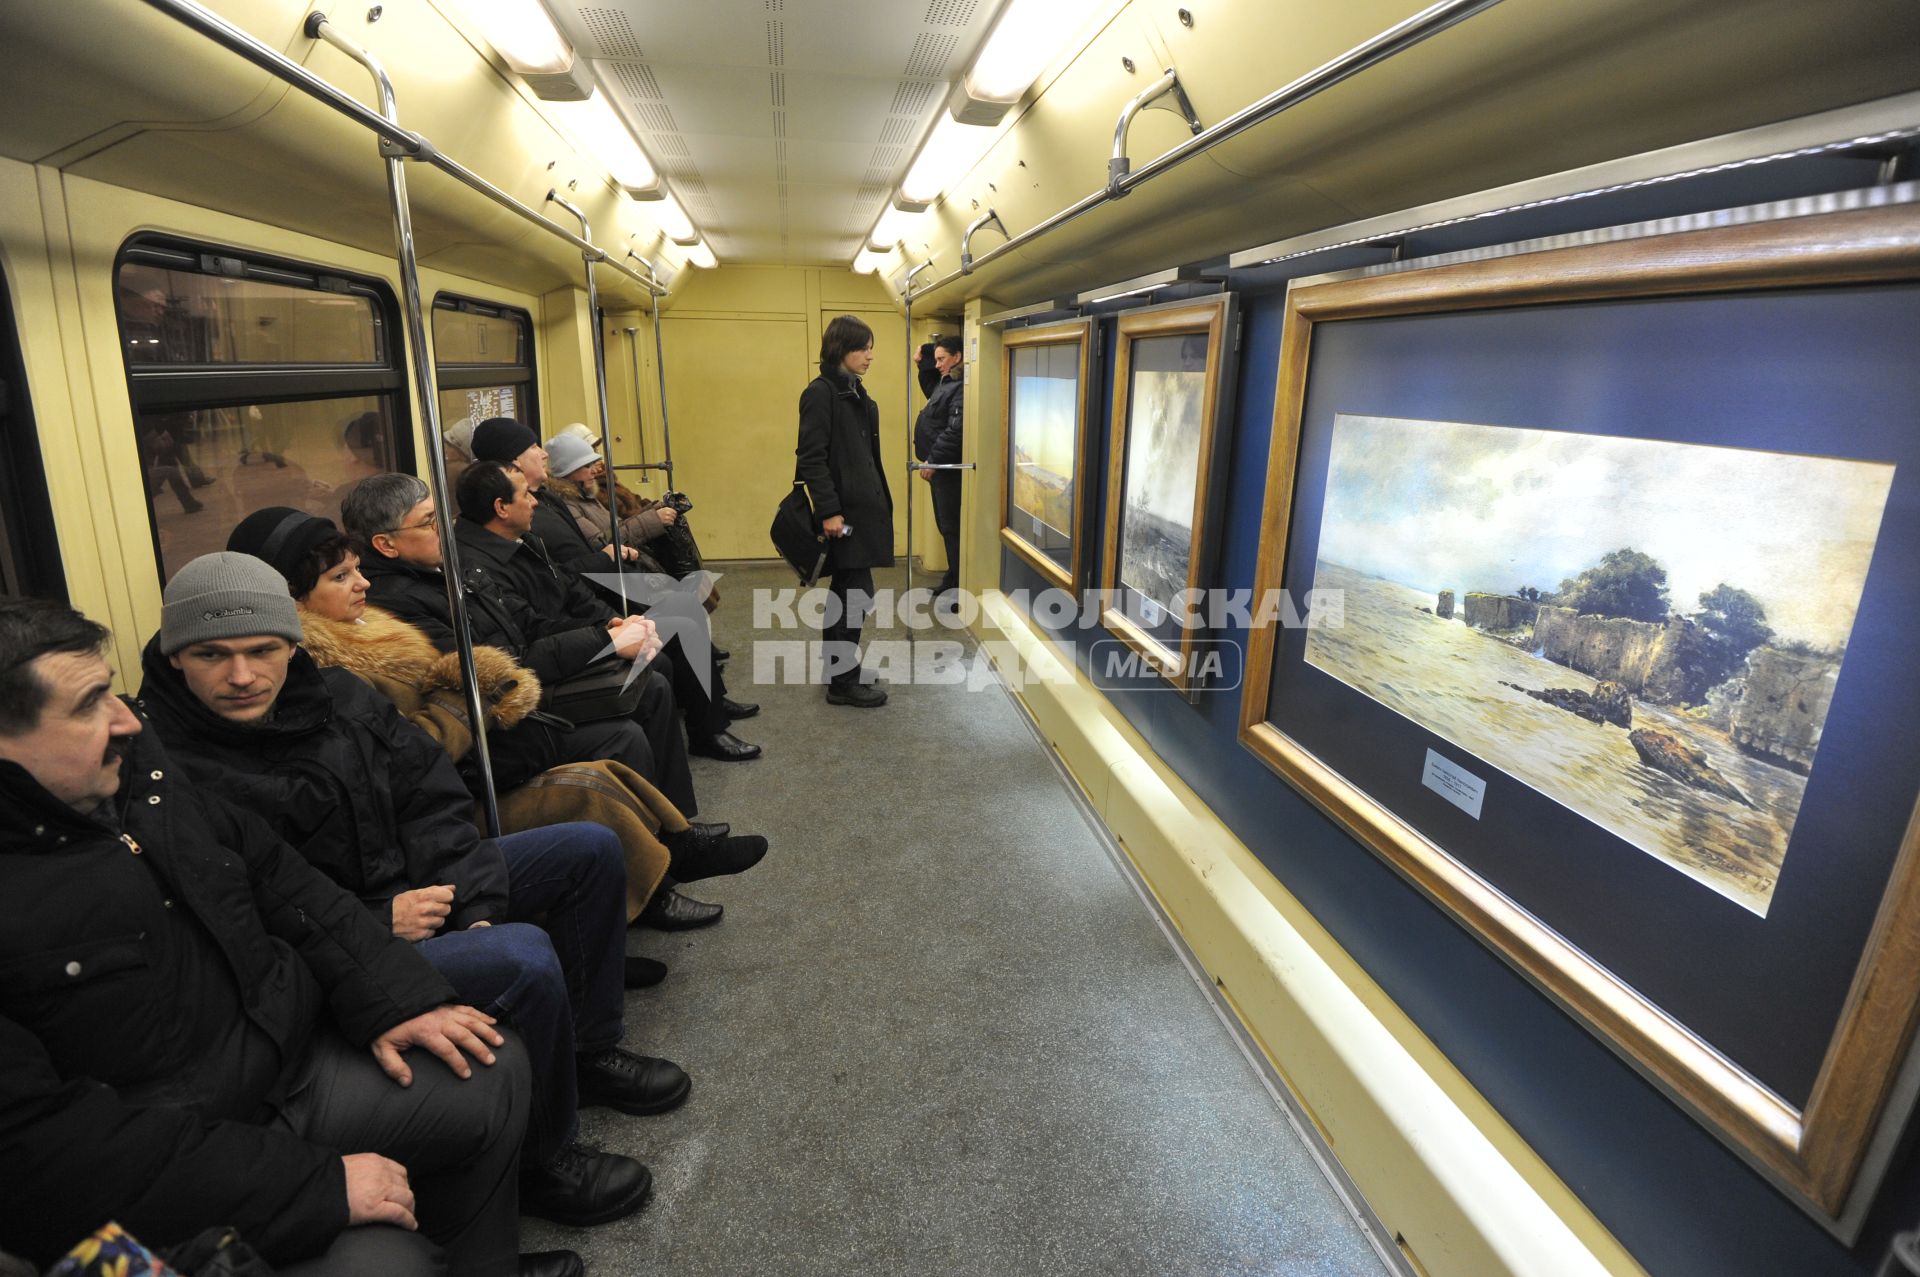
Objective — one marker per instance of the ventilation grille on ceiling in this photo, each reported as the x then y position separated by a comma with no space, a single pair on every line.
610,30
950,13
775,6
636,80
670,144
776,42
896,131
656,116
780,124
911,99
930,54
777,89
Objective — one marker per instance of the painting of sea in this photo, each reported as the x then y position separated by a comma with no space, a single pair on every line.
1044,420
1648,633
1166,407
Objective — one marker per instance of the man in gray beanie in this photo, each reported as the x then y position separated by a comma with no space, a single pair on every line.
229,596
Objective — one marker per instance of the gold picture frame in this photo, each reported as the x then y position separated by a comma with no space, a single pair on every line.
1211,318
1814,1150
1080,334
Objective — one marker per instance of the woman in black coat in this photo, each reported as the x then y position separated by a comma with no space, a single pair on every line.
838,458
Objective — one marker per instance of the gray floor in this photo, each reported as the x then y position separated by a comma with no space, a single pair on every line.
937,1032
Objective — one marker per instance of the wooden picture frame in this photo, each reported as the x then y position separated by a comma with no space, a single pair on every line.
1079,335
1814,1147
1154,630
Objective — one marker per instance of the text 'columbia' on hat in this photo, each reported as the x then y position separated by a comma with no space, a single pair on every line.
222,596
567,453
502,439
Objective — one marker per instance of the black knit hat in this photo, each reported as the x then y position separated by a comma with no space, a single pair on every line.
501,439
282,536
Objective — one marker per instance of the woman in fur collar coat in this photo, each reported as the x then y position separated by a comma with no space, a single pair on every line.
403,664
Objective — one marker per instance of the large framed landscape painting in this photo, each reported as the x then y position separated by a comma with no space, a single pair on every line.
1625,540
1046,379
1163,488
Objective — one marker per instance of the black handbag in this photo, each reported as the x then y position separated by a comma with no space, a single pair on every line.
796,534
605,691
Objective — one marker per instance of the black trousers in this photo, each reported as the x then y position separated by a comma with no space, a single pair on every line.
946,517
840,638
459,1140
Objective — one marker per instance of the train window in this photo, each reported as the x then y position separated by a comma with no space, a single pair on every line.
255,382
29,552
483,360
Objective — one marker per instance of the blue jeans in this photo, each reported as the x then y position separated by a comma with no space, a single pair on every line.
561,983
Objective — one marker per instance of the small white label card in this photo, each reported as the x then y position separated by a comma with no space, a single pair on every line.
1454,783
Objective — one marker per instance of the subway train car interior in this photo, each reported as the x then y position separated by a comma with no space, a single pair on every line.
1196,636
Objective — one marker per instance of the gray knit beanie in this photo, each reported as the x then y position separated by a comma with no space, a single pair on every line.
222,596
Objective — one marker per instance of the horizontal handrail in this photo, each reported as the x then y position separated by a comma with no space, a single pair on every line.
1396,39
404,142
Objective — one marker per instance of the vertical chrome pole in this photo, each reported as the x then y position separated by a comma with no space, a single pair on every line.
913,379
600,379
639,418
317,27
660,371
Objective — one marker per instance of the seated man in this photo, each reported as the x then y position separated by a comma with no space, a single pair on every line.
394,519
708,711
375,804
194,1023
401,561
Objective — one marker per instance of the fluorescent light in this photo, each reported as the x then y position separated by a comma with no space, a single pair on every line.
890,229
866,261
606,136
945,157
673,220
522,32
702,256
1029,35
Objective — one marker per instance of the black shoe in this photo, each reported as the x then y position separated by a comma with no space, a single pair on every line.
710,828
858,695
582,1186
722,654
724,746
644,973
551,1263
638,1084
697,856
671,911
190,506
736,710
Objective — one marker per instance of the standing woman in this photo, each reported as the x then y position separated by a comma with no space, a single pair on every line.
838,458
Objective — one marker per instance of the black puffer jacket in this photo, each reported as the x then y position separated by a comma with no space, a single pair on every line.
838,458
122,955
541,634
937,431
369,799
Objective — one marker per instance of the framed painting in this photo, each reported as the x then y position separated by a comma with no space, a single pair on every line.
1163,480
1615,559
1047,375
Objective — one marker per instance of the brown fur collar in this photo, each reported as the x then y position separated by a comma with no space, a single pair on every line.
384,647
630,503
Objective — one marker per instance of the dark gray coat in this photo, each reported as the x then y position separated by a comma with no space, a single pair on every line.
838,458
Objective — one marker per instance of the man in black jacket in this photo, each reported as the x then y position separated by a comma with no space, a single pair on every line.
937,434
401,561
705,704
373,802
194,1022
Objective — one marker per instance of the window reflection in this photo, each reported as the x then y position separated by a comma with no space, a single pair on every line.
180,317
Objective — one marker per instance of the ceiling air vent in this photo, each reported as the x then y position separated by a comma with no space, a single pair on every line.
636,80
896,132
930,54
777,88
610,30
946,13
912,99
656,117
776,42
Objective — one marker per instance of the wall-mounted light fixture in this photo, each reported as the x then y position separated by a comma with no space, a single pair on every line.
867,261
1025,39
892,227
523,34
702,256
673,220
600,129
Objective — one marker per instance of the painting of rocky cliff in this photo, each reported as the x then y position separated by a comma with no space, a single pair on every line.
1648,633
1166,404
1044,421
